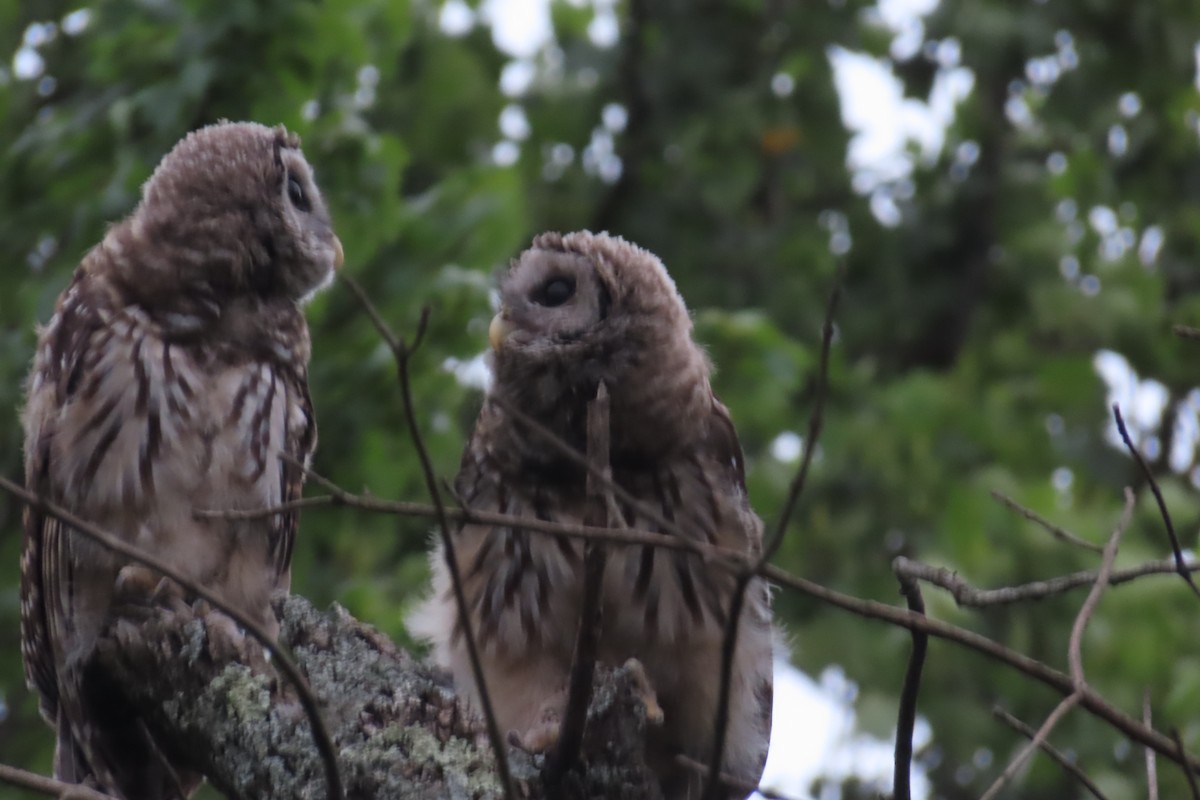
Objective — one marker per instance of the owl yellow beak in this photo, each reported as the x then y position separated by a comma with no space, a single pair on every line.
499,330
339,255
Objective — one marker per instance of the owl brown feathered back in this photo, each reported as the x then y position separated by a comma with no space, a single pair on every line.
171,378
576,310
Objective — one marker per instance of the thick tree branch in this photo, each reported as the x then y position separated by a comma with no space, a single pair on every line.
398,728
308,702
402,354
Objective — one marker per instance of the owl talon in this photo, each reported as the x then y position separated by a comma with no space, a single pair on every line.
135,585
539,739
644,691
169,595
226,642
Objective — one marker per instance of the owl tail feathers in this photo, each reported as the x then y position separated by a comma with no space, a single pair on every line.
152,779
110,749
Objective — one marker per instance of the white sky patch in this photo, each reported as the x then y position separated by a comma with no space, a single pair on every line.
787,447
814,735
513,122
473,373
519,27
76,22
456,18
604,30
1142,402
27,64
516,77
883,121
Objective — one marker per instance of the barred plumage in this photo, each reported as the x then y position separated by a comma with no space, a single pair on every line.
171,378
578,309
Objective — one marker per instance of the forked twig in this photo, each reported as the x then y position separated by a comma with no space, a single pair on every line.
967,595
1043,673
279,654
736,562
401,353
1067,765
1074,654
1180,563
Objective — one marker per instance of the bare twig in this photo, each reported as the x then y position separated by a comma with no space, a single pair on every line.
1180,564
867,609
587,638
1058,532
1189,774
389,336
48,786
1151,761
1059,681
1068,766
402,353
907,715
1186,332
815,422
1038,741
964,593
729,642
968,596
1075,645
279,654
339,497
1074,655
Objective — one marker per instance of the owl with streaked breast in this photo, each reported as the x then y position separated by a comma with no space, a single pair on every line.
171,378
578,309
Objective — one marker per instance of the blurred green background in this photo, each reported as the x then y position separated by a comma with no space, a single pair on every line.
1018,218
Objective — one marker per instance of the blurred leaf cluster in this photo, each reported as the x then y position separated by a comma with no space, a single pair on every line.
1057,220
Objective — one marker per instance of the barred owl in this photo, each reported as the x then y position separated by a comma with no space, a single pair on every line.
172,377
578,309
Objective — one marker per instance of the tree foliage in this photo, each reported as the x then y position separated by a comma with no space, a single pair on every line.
1056,221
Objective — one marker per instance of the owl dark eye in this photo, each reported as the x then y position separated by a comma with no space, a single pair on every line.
297,194
554,292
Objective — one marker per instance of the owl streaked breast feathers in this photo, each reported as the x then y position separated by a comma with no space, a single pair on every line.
578,309
172,377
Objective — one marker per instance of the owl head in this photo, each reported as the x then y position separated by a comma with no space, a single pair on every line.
233,208
579,308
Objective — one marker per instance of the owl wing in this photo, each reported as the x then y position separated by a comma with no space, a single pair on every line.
61,608
300,439
36,651
66,348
